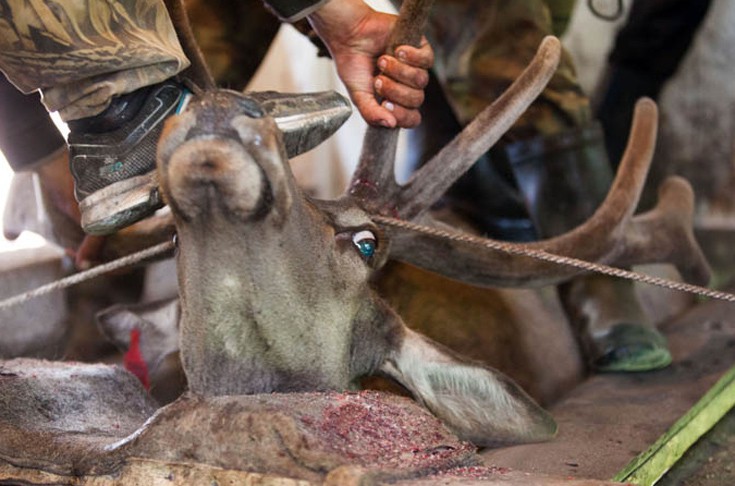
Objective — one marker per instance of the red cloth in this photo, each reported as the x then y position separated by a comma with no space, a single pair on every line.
133,359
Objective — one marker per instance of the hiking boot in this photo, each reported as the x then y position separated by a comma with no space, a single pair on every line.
113,157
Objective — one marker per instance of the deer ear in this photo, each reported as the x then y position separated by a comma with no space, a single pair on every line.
477,403
157,323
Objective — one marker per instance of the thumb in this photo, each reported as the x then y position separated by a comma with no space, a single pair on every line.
372,111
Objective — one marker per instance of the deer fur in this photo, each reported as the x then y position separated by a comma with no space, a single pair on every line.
275,291
276,296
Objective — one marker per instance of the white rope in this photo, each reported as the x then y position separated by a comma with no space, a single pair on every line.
88,274
516,249
505,247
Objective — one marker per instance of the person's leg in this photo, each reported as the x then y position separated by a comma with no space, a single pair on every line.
647,52
554,154
481,47
81,54
30,142
564,178
106,67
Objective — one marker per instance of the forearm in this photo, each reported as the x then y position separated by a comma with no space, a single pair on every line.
338,18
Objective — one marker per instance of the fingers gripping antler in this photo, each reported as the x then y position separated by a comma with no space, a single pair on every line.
611,236
375,170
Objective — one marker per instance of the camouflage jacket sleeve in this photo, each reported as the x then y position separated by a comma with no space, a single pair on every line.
293,10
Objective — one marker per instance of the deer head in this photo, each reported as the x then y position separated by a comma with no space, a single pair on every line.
275,286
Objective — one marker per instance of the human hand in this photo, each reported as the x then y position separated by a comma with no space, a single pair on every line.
357,38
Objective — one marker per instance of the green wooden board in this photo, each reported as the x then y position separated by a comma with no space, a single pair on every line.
648,467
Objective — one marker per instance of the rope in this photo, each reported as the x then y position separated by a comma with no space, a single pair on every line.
516,249
505,247
88,274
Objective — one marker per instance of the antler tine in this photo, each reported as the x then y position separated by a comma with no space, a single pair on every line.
374,176
433,179
198,72
611,236
666,233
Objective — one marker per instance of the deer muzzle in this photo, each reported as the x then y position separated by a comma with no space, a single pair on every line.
222,158
217,174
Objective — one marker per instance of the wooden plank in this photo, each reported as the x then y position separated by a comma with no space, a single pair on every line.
651,465
151,473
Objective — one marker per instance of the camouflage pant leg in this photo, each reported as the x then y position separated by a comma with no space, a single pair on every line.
482,46
80,53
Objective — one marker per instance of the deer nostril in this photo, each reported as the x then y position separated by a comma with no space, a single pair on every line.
212,176
211,160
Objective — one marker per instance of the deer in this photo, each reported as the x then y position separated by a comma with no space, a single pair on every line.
275,286
277,295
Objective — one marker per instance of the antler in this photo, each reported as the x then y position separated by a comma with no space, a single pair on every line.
375,169
431,181
612,235
198,72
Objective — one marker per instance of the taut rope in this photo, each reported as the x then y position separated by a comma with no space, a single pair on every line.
89,274
516,249
505,247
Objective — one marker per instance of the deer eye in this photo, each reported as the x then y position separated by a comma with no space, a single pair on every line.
365,242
